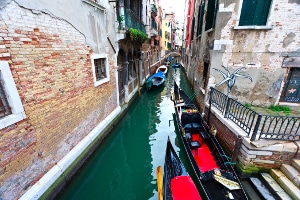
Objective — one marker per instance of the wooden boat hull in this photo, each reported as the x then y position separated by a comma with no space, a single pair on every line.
177,184
212,167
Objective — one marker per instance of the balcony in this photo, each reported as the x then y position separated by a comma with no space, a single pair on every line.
127,19
153,10
153,32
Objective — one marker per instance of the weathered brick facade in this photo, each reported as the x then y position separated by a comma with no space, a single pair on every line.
51,66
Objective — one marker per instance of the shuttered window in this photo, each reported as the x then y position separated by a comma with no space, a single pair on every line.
193,27
254,12
200,18
211,14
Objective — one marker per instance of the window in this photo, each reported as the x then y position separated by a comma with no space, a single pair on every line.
193,26
100,69
211,14
254,12
131,69
291,90
11,106
200,18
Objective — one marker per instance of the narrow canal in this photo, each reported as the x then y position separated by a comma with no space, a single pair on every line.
124,165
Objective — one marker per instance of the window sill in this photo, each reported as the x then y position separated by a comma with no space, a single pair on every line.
253,27
102,81
95,5
11,119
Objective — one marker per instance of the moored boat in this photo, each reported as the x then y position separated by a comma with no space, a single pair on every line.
214,169
177,65
163,69
177,184
156,80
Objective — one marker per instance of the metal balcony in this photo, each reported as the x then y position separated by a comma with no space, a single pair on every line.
127,19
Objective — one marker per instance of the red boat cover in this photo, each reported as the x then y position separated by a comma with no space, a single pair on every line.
183,188
204,158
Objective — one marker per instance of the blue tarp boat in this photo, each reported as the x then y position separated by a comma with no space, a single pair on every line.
156,79
176,65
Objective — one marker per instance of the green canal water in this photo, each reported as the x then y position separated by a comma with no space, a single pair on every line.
124,166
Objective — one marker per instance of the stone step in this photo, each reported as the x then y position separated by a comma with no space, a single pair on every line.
271,183
262,189
292,173
296,164
287,185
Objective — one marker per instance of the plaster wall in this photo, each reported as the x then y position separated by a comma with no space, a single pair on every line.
260,51
95,23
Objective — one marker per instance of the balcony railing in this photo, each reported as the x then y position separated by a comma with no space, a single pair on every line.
132,21
154,9
256,125
153,32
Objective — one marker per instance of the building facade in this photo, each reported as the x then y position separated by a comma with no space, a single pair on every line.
249,51
257,42
65,77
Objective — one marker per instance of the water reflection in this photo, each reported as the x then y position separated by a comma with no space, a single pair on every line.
124,165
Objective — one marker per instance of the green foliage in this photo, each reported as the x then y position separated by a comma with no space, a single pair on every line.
285,109
136,34
249,169
120,18
247,105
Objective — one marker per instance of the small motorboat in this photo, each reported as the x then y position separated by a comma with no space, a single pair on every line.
163,69
177,65
156,80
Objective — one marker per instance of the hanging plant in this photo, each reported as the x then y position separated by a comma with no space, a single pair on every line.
120,19
137,35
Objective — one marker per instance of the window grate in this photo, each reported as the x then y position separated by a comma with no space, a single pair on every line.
4,105
100,68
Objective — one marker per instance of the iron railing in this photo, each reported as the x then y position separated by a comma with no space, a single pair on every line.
132,21
256,125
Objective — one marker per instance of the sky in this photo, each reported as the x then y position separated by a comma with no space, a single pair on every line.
177,6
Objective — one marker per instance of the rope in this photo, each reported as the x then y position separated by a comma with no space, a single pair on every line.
193,96
229,163
223,155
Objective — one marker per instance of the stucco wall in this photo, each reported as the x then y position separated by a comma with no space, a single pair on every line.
260,51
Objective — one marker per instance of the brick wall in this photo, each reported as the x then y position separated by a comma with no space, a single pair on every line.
51,66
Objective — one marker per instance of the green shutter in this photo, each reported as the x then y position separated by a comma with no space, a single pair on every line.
200,19
211,14
247,13
261,12
193,27
254,12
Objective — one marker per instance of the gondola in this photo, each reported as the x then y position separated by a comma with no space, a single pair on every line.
213,168
177,184
156,80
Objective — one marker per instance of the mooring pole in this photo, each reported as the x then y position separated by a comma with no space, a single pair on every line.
237,146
